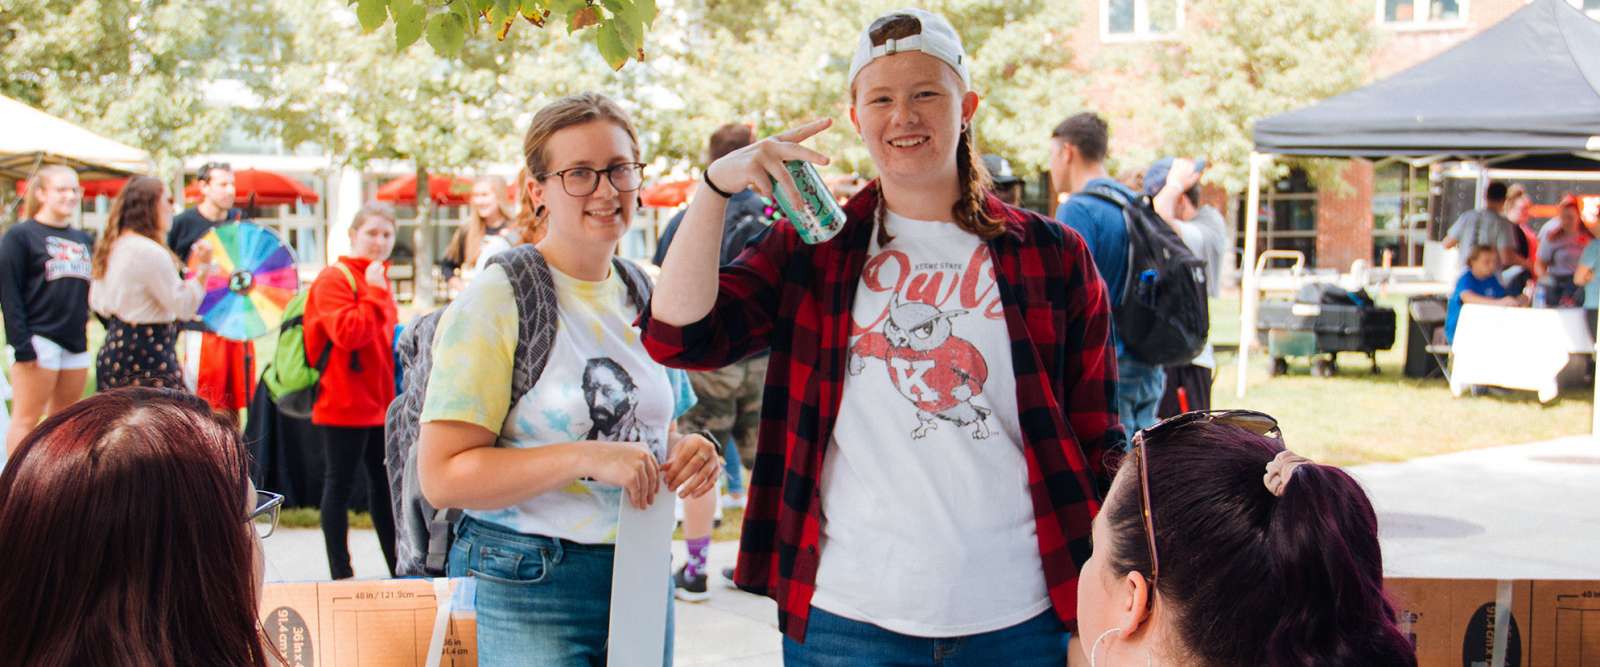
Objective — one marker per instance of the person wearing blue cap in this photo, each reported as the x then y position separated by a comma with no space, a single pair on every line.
1173,186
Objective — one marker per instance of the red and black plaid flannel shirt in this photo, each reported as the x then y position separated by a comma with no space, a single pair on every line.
795,299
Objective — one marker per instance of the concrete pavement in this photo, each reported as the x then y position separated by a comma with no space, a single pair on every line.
1527,511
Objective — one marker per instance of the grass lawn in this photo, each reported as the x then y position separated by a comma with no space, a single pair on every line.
1357,418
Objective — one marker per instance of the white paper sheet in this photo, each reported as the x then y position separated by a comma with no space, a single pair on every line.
640,584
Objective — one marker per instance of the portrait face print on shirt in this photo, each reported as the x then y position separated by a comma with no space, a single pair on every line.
612,396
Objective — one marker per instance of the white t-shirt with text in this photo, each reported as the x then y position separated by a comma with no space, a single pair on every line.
928,529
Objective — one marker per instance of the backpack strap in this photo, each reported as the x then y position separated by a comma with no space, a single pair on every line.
637,281
348,275
1128,207
327,350
1110,194
534,291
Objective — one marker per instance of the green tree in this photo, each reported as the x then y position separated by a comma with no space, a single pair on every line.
1241,60
124,69
615,27
776,64
357,98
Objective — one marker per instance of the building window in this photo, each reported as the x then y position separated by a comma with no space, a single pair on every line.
1400,220
1140,19
1424,14
1288,217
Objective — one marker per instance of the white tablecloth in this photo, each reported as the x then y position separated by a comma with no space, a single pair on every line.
1516,348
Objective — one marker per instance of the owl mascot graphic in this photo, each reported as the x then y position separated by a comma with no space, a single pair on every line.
940,373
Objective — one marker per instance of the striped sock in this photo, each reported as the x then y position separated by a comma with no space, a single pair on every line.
697,556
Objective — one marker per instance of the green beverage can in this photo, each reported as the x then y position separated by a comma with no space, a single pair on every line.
818,217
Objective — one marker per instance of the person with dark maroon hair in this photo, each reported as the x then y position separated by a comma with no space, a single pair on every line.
133,538
1217,546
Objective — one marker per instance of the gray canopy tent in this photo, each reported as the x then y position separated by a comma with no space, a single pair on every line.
1527,86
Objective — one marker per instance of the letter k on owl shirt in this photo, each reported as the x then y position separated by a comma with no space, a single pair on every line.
928,529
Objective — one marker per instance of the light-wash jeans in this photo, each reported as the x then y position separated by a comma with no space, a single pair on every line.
1139,390
540,600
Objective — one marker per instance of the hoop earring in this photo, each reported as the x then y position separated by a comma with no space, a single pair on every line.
1095,648
539,211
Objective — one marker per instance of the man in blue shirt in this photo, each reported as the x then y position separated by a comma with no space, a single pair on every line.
1077,161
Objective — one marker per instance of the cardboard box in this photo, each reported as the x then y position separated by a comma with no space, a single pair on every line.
1459,622
367,623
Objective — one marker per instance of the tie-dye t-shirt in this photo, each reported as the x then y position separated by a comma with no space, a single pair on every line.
599,384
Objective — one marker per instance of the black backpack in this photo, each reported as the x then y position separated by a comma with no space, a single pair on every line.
1161,317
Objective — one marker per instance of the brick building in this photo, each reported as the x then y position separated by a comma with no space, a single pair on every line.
1383,210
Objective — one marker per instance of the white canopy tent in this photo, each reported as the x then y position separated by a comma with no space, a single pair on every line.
31,138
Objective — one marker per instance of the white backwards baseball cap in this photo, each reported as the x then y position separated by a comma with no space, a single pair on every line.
937,38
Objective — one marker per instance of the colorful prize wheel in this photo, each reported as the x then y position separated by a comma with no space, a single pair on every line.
254,281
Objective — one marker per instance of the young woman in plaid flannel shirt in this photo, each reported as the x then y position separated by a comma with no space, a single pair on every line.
937,409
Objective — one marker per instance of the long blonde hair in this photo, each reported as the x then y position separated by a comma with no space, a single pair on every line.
33,196
468,239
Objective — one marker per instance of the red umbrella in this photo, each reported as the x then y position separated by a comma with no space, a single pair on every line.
262,188
443,189
669,194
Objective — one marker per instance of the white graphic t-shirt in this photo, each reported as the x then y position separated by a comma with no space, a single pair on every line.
599,384
927,527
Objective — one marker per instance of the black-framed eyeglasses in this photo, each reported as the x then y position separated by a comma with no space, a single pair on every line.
265,515
205,169
1259,423
583,181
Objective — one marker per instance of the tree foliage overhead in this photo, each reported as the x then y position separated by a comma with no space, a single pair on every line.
778,64
1238,61
125,69
615,27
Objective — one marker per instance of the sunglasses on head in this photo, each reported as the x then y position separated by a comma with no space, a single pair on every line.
1259,423
207,168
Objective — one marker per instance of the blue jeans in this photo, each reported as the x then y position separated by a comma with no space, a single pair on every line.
835,641
733,467
540,600
1139,389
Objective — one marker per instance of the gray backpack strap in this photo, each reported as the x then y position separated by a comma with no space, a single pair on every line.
534,291
638,282
402,425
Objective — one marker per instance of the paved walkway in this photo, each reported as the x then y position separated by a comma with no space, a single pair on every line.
1527,511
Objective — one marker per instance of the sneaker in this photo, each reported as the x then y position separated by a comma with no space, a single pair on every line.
727,577
690,589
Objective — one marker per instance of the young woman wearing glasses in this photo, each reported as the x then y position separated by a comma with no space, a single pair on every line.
1217,546
543,475
133,515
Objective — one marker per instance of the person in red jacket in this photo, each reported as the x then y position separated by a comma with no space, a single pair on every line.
351,314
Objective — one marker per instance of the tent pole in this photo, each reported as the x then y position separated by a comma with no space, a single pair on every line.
1247,268
1482,196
